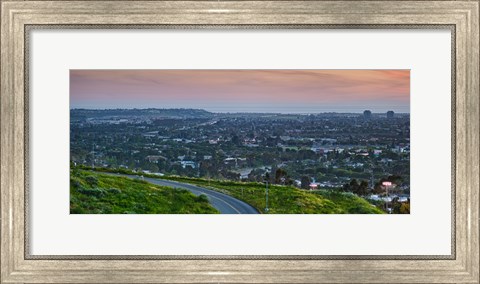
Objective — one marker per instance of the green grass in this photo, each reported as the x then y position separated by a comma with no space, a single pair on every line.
288,199
282,199
349,202
94,193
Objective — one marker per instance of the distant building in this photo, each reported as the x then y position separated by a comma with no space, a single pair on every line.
245,173
367,114
154,158
390,114
313,186
191,164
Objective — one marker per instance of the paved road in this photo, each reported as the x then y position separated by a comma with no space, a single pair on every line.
226,204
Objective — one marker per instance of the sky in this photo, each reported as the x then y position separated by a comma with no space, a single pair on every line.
282,91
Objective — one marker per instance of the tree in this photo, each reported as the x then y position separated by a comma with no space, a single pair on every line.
352,186
280,176
362,188
150,167
305,182
378,188
267,176
232,175
405,208
400,207
236,140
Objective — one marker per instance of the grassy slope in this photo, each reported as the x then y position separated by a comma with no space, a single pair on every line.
287,199
93,193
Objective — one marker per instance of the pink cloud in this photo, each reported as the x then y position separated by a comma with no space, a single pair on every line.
388,87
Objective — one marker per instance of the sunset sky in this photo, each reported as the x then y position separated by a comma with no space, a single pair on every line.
286,91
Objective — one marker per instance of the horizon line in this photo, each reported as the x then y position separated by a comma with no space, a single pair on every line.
226,112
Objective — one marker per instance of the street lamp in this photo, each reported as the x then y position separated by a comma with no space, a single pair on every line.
387,184
267,177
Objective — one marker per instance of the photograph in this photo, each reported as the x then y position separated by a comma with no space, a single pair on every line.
239,141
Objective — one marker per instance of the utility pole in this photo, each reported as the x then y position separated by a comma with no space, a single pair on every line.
387,184
372,182
267,177
93,156
266,196
93,152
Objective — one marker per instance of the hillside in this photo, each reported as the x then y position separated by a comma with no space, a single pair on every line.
282,199
94,193
287,199
83,114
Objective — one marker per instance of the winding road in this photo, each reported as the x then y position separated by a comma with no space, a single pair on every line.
224,203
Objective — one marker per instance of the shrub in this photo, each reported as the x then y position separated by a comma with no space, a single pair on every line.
92,181
97,192
76,184
76,210
202,198
114,190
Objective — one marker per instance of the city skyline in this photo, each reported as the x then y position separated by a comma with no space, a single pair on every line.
298,113
255,91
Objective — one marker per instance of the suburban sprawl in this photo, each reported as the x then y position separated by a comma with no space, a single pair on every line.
343,163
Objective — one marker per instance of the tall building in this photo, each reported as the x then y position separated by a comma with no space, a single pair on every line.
390,114
367,114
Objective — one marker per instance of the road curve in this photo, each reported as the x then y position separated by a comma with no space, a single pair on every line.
224,203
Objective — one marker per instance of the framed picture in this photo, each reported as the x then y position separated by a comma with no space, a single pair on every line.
240,141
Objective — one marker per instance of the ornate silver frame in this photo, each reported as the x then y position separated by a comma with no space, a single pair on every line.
20,17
